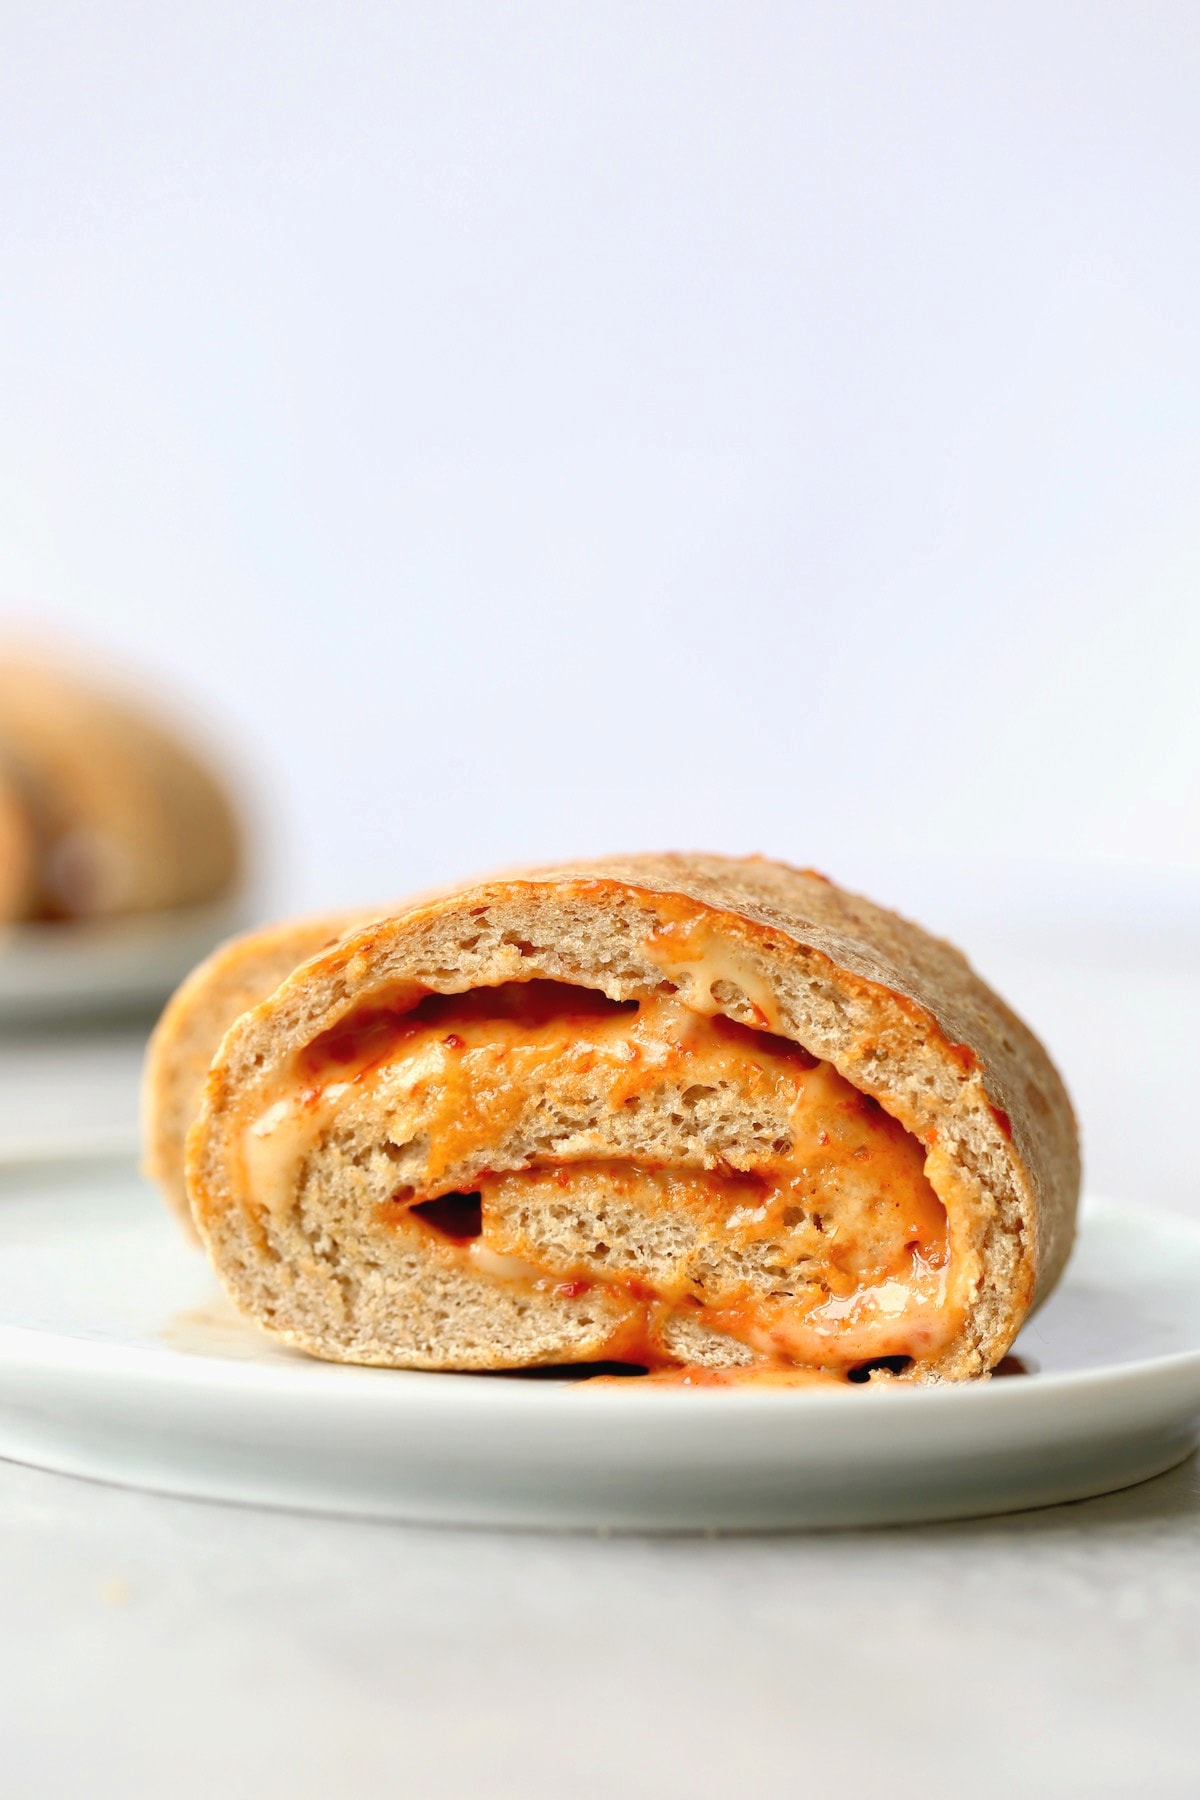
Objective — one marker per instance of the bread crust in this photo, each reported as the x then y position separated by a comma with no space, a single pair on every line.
237,975
898,1013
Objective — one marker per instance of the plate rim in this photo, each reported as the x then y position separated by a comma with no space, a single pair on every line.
29,1345
155,924
52,1349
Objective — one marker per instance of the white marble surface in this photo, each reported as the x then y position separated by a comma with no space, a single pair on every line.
157,1647
153,1645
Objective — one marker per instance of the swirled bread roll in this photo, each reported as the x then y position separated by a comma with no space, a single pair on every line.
121,815
18,853
679,1111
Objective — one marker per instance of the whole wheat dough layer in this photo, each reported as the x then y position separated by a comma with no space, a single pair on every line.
236,976
647,1129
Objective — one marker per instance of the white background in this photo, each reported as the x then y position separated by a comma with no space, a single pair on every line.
528,429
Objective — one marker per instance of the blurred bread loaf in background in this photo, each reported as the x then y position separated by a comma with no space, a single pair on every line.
105,809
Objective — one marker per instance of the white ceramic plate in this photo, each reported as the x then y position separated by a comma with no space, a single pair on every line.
119,1359
69,969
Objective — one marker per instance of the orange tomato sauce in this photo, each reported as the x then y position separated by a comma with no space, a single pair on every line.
827,1249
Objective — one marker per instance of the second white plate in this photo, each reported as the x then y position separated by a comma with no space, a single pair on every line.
74,968
119,1359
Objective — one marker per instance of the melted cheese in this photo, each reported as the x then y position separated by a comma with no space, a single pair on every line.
845,1192
712,970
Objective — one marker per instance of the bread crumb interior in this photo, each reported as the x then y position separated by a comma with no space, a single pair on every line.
692,1181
